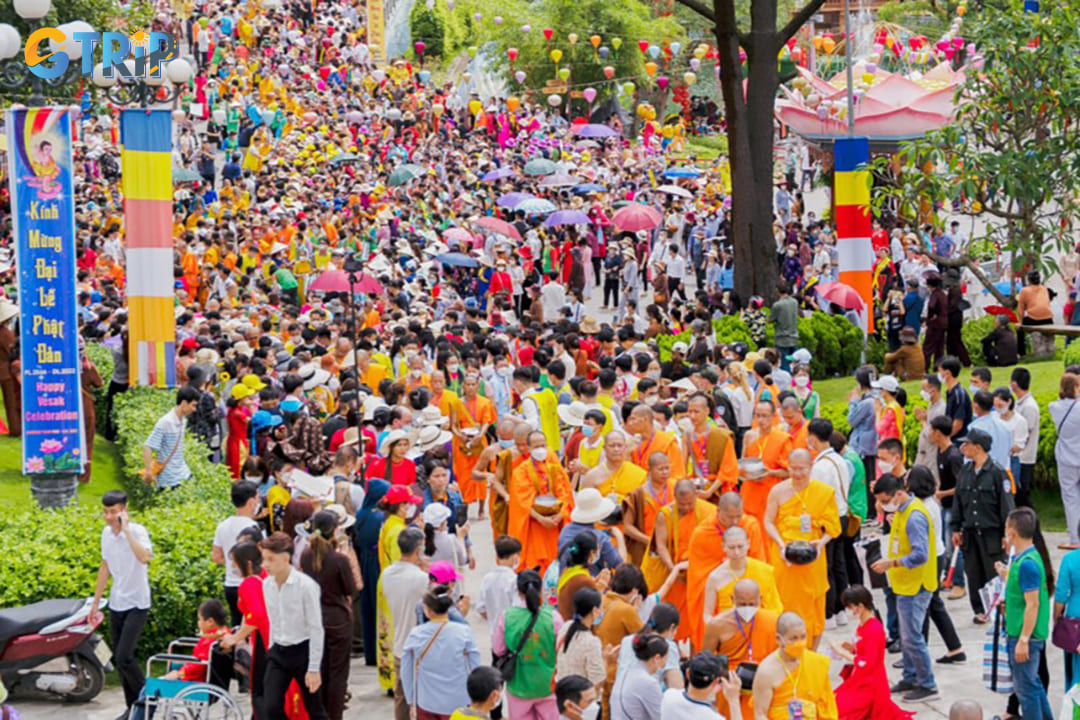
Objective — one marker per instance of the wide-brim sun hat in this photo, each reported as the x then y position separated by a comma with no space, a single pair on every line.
591,507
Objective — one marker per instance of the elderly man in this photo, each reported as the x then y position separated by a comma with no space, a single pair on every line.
640,423
641,506
793,682
802,510
720,587
745,633
540,499
615,475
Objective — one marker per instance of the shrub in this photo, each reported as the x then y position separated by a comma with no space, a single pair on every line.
427,25
1045,461
972,334
1072,354
664,343
838,414
732,329
102,358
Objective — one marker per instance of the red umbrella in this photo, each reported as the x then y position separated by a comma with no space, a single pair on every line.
1001,310
338,281
841,294
499,226
635,216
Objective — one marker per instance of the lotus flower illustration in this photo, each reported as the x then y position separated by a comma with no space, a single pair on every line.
35,465
51,446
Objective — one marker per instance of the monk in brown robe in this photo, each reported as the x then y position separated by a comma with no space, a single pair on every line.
641,506
495,466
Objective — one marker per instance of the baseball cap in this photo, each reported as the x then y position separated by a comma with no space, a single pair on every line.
979,437
886,382
400,494
443,571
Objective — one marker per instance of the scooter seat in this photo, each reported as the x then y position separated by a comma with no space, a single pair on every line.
31,618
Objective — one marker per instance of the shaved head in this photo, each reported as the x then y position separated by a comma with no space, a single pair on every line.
685,495
965,710
729,509
735,534
642,412
506,427
657,459
790,624
747,593
521,432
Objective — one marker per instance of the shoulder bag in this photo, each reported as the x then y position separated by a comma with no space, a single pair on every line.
507,663
156,467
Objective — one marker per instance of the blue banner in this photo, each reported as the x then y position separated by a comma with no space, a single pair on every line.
43,209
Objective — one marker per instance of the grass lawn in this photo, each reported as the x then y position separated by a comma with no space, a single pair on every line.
15,487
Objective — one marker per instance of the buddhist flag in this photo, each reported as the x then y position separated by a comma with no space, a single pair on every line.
852,196
146,160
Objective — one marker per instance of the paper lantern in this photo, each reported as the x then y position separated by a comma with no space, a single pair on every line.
791,42
603,53
675,47
564,73
628,87
643,46
419,47
556,55
478,17
572,38
654,51
822,112
813,100
701,51
589,94
497,20
554,100
321,86
616,42
650,68
868,77
424,76
474,107
662,82
828,45
958,42
512,103
450,5
472,50
548,32
595,41
520,76
512,53
609,72
871,68
689,78
695,64
970,49
796,54
961,10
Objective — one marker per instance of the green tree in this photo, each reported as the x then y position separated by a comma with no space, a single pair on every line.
749,117
427,26
1012,154
102,14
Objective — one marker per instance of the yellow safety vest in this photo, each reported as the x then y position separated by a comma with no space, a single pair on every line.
909,581
547,404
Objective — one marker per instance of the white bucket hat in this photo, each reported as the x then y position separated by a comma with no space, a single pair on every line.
591,507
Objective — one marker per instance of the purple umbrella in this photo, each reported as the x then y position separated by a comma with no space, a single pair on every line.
594,130
559,180
500,174
512,199
567,217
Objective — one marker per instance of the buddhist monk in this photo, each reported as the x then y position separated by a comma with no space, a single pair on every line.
768,442
537,525
614,475
965,710
709,450
640,423
720,587
675,524
641,506
707,552
745,633
797,426
801,509
793,681
475,415
495,465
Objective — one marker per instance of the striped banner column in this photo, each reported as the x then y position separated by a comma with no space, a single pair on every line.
852,195
146,159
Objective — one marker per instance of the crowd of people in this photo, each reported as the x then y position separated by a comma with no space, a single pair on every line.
675,529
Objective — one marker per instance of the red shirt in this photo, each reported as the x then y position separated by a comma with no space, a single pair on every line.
404,473
253,607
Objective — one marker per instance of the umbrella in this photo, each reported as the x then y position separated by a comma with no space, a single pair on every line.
635,216
595,131
457,260
841,294
500,174
404,173
586,188
501,227
343,158
675,190
1001,310
459,234
559,180
338,281
567,217
512,199
539,166
535,206
688,172
180,175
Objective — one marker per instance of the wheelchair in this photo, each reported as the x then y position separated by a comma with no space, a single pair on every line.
168,699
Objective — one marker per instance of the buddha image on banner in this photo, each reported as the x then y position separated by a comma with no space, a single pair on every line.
39,167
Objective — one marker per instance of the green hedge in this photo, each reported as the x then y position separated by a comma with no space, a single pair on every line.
1071,356
102,358
972,334
56,553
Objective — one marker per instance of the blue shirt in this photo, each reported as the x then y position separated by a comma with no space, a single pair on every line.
1001,438
1067,590
863,438
439,686
913,305
918,533
167,442
1028,576
609,556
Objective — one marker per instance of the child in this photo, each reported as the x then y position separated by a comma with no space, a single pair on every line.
241,408
213,626
499,586
278,496
484,686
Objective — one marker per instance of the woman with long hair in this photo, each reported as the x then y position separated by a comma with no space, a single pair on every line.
330,568
737,389
528,632
579,650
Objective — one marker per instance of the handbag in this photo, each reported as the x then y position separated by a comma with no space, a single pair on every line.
1066,634
507,664
156,467
851,523
997,675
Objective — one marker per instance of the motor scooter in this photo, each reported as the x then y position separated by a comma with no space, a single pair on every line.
53,647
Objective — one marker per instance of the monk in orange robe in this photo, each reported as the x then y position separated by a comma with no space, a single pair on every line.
720,587
792,675
797,424
496,465
675,524
537,525
772,445
707,553
745,634
447,401
614,475
640,422
710,451
801,509
475,415
370,373
642,505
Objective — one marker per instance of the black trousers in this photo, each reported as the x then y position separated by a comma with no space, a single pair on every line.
337,651
933,346
851,560
673,289
597,264
1023,485
838,580
870,466
940,617
255,682
125,627
1021,336
611,288
982,548
285,663
232,595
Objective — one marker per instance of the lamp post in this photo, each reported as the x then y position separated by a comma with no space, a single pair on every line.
15,74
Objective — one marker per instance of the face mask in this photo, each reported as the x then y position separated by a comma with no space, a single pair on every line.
539,454
507,443
889,507
410,354
588,430
941,378
746,613
487,370
795,649
885,467
506,371
972,389
592,712
924,395
599,617
802,380
417,374
654,374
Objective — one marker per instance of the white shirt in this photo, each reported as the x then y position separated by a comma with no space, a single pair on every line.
636,696
676,268
677,705
1066,418
552,299
1029,410
404,585
497,592
1019,428
130,578
933,509
225,538
295,614
831,469
531,410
